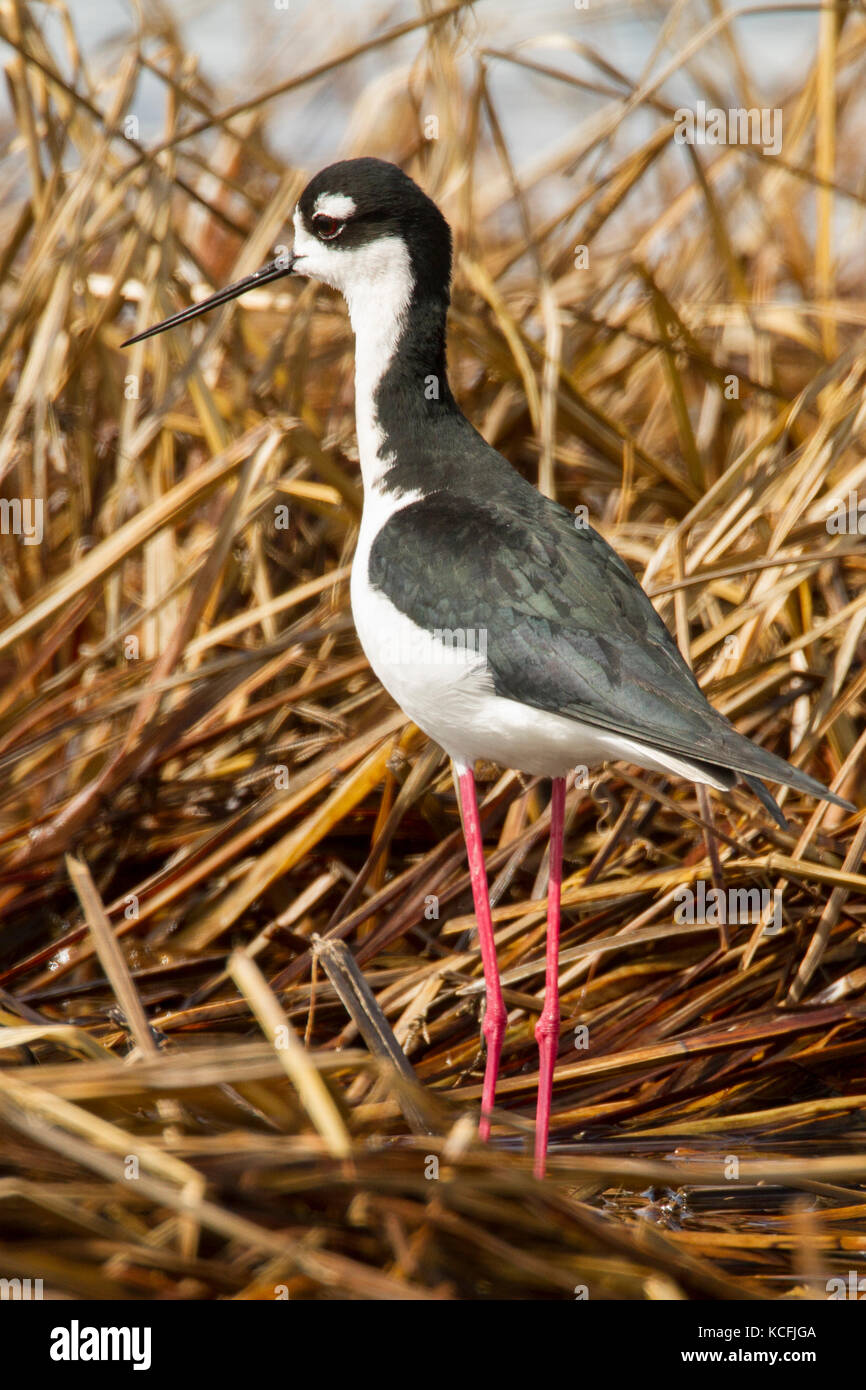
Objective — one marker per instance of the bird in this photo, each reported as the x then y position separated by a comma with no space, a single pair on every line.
503,630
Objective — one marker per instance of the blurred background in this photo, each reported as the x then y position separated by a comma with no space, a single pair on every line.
214,824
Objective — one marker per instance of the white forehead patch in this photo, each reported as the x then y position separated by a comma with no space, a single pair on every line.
334,205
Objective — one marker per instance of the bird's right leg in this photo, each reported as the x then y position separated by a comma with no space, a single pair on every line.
547,1028
494,1011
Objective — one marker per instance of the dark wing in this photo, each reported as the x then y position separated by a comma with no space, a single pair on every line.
568,628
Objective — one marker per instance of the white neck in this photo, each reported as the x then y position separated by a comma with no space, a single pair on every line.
378,300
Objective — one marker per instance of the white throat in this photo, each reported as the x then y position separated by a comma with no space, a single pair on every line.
378,299
376,282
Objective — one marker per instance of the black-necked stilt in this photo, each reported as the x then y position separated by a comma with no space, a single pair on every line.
503,631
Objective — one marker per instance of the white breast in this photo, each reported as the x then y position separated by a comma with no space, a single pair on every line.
437,678
441,681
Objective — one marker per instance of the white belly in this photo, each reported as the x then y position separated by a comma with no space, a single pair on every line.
442,683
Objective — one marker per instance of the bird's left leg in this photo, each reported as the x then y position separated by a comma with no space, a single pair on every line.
495,1016
547,1027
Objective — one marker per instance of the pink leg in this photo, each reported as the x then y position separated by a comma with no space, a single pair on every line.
493,1027
547,1027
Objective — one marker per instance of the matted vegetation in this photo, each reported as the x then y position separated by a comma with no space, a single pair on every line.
204,789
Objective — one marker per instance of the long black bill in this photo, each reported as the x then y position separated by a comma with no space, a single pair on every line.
274,271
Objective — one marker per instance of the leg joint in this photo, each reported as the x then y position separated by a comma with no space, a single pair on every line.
495,1019
547,1027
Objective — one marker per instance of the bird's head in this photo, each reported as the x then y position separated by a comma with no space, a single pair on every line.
364,221
363,227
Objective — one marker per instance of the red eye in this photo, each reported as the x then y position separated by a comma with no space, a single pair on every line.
327,227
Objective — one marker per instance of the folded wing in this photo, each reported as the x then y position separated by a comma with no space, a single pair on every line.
567,627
